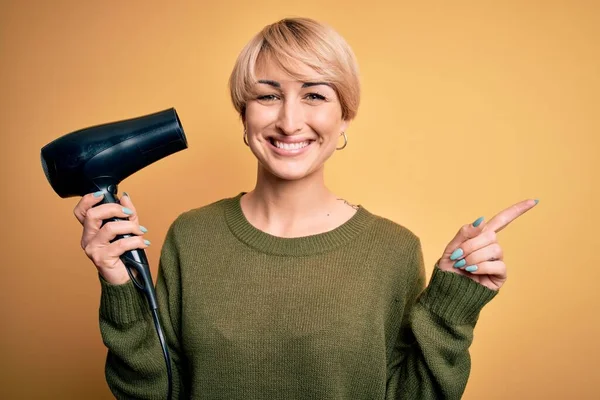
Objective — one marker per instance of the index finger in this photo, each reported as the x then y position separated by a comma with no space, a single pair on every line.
85,203
505,217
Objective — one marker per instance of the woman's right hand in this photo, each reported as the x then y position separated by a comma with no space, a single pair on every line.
96,239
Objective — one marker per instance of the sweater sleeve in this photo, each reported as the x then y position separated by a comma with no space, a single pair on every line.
135,365
431,359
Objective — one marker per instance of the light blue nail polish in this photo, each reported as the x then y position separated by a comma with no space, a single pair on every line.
478,222
98,193
460,263
125,194
147,242
143,229
456,254
537,201
127,211
471,268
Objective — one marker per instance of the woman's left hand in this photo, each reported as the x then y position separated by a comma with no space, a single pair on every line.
474,252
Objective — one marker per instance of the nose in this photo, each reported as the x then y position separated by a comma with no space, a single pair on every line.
291,117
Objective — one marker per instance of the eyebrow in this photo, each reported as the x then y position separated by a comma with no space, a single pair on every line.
304,84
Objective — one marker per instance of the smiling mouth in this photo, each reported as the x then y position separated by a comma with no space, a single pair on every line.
289,146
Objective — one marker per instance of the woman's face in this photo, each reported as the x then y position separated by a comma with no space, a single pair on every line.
293,127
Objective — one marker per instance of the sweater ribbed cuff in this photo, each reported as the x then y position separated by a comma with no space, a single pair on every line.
121,304
455,298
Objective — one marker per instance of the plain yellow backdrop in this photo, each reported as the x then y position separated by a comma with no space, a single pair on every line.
467,108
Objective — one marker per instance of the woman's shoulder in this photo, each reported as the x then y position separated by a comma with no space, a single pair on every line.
388,231
205,216
393,245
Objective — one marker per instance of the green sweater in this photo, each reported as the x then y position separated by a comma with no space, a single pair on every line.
338,315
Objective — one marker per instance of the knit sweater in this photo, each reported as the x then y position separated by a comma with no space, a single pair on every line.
343,314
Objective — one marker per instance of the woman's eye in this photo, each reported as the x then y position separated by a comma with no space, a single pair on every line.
267,97
315,97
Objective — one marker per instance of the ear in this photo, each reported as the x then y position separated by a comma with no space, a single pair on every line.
344,126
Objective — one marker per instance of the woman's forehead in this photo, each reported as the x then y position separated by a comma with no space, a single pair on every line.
271,70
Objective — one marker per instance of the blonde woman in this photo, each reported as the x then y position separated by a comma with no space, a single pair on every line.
288,291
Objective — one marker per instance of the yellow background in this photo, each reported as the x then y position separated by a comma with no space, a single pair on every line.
467,108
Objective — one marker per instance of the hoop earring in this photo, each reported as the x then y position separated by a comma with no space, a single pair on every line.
246,139
345,142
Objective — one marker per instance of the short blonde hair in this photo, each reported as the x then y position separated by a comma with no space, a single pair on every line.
294,41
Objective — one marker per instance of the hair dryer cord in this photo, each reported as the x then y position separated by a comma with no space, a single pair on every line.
165,350
147,288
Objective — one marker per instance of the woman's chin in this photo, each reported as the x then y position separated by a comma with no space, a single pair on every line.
289,173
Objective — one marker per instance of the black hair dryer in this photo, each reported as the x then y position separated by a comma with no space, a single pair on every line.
98,158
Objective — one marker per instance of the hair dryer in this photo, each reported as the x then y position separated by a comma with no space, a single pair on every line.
101,156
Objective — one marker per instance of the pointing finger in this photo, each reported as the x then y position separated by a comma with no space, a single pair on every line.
505,217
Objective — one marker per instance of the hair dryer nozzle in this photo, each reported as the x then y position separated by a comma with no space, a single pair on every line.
94,158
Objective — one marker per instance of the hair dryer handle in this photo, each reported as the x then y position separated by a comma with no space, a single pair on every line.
135,261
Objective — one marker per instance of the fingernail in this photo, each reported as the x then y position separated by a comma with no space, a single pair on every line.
456,254
143,229
127,211
471,268
460,263
147,242
478,222
125,194
537,201
98,193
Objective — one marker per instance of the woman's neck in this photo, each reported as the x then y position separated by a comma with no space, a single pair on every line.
296,208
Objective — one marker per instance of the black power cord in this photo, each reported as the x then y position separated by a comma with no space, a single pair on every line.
148,290
165,350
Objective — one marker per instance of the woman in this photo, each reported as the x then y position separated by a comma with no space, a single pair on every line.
289,291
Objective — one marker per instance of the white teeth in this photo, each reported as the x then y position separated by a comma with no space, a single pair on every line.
290,146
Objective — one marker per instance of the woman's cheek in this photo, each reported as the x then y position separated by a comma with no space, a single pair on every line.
258,114
326,124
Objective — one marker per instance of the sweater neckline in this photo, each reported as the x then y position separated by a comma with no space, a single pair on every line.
298,246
